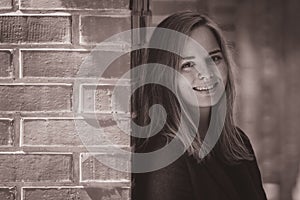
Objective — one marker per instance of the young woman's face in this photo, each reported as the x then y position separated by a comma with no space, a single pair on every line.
204,75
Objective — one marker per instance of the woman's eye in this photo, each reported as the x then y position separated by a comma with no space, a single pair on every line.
187,65
216,59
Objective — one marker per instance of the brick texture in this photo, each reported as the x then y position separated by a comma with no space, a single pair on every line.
64,132
5,4
76,193
94,167
74,4
6,132
35,98
35,29
103,99
46,47
68,64
95,29
37,168
8,193
5,64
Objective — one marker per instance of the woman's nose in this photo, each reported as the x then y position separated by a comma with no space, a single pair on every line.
202,71
205,75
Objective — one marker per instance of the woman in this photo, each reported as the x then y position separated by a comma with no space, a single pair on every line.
220,167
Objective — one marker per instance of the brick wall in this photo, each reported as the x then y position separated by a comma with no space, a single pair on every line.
42,46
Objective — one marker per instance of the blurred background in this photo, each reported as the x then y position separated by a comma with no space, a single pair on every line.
265,37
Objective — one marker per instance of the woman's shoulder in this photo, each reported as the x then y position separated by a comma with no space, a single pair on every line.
161,148
159,141
245,139
252,166
169,182
153,143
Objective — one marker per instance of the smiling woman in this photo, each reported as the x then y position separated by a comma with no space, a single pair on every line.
202,80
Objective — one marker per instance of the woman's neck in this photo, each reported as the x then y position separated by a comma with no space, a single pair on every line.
204,120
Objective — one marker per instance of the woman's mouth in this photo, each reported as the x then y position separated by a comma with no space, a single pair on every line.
206,88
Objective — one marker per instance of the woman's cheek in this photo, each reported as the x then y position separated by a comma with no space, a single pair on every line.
222,72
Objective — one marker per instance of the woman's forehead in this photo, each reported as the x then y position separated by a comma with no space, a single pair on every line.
203,40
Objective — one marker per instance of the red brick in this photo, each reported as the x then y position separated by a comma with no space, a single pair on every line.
5,4
8,193
35,29
102,95
5,64
94,170
95,29
66,193
62,63
35,97
6,132
45,132
74,4
35,168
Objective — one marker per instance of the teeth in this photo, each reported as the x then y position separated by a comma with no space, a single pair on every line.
205,88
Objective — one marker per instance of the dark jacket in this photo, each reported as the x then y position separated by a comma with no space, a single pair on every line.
185,179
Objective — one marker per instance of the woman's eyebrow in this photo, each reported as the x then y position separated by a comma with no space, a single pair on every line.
210,53
214,52
188,58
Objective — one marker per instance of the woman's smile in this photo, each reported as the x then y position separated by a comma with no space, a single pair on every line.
207,88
